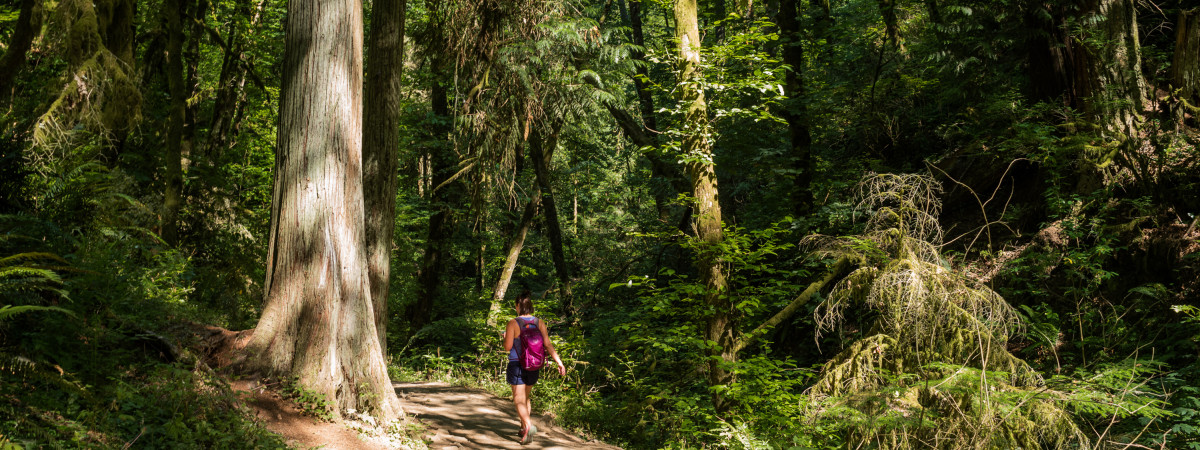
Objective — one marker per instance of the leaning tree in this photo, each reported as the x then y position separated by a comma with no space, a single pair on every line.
318,322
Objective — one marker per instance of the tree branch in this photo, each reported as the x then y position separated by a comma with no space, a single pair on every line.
840,267
630,126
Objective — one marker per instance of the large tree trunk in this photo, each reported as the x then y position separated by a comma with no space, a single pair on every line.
381,138
541,150
117,18
795,111
1108,74
28,23
698,157
1050,53
1185,66
173,192
318,321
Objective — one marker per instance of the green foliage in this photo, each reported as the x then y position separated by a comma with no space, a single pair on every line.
310,402
937,347
97,375
1094,256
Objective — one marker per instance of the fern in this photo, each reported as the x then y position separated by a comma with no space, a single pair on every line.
8,311
21,273
24,368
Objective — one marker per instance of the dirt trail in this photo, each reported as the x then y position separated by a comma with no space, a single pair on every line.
301,430
460,417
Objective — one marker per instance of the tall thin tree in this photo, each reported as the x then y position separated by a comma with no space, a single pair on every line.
795,111
381,137
173,191
698,156
28,21
1185,63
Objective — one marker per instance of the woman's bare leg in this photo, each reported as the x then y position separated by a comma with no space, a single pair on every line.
521,401
528,403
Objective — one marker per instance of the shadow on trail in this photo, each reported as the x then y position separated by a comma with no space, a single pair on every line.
460,417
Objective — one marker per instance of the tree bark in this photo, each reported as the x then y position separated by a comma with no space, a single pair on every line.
173,191
822,13
117,17
1185,65
887,8
28,22
318,321
719,13
795,110
381,137
698,157
541,150
1108,74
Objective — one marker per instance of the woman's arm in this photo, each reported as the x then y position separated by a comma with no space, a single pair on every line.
562,370
510,332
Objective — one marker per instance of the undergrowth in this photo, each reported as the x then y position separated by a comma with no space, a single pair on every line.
98,356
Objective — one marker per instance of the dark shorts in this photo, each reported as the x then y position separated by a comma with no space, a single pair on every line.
517,375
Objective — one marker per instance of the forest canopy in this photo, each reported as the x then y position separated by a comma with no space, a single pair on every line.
779,224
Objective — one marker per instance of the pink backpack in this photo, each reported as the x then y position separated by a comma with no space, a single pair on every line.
533,350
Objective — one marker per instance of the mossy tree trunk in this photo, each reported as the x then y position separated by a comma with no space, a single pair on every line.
381,137
116,21
1108,76
1185,65
172,10
698,157
29,21
891,23
96,39
318,320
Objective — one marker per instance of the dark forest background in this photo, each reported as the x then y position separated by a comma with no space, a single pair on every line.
938,223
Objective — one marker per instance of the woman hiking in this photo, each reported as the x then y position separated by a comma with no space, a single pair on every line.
524,363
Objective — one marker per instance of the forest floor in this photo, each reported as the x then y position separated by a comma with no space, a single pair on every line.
301,430
452,416
461,417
